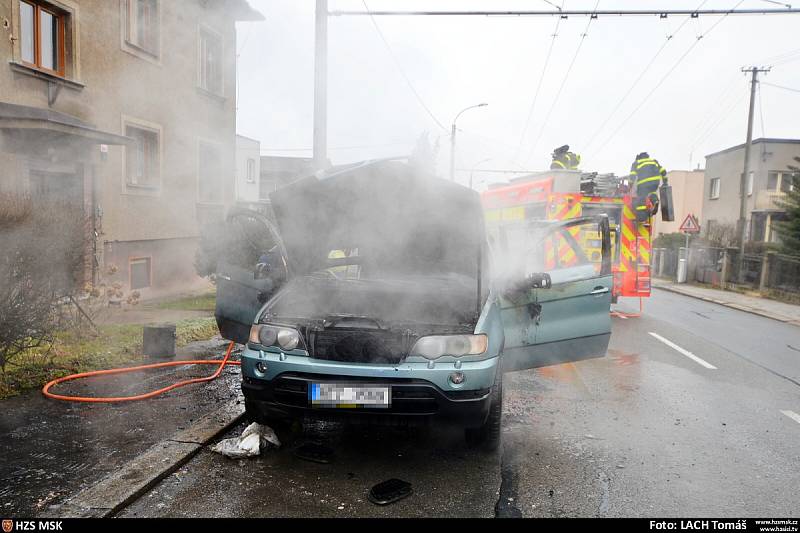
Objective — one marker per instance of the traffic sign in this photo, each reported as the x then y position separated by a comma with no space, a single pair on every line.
690,224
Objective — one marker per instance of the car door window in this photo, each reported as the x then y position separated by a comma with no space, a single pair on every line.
569,320
571,252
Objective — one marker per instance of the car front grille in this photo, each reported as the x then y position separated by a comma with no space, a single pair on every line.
360,346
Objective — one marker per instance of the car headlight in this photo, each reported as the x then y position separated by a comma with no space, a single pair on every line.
436,346
279,336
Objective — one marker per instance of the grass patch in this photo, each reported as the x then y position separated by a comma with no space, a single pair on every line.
115,346
204,302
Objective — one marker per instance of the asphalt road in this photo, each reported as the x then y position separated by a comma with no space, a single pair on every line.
692,413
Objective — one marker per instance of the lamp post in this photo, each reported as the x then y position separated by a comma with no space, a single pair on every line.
453,140
472,172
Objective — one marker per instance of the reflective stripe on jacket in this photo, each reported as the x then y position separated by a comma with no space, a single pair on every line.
566,161
648,172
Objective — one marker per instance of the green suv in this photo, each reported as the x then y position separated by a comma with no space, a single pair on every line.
375,293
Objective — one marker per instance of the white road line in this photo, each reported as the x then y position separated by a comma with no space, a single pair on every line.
687,353
791,414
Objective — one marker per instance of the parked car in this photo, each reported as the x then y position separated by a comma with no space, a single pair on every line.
389,302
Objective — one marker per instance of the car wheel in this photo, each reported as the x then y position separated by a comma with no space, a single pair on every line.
488,435
254,414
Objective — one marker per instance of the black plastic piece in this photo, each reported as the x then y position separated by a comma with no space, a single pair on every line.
667,207
390,491
316,453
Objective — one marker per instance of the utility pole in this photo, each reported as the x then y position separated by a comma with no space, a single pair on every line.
321,86
742,225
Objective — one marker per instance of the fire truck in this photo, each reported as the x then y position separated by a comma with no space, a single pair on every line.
568,194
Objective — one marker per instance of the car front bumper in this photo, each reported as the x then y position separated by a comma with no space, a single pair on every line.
417,391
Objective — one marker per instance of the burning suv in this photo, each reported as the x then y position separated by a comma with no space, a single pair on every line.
376,294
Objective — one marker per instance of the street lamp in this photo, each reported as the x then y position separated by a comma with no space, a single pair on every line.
453,140
472,172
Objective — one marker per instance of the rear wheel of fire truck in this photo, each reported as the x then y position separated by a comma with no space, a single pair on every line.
614,299
487,436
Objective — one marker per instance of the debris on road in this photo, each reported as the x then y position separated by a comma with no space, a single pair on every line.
253,439
390,491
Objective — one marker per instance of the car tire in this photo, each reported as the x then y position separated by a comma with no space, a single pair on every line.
487,436
254,414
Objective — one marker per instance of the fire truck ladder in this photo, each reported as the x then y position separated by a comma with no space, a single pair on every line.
642,283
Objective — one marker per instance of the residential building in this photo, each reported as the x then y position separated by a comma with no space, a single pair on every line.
687,198
128,107
248,169
767,184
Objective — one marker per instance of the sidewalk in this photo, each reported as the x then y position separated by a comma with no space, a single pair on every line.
765,307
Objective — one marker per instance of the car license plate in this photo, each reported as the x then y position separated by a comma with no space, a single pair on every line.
349,395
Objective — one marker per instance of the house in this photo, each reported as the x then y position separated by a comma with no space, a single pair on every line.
766,186
128,108
687,198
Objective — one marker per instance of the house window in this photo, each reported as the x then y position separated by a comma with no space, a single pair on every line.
143,162
772,181
209,178
141,273
713,193
210,61
142,25
42,37
780,181
251,171
786,182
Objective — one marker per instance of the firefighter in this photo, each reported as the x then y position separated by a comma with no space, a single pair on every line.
563,159
646,175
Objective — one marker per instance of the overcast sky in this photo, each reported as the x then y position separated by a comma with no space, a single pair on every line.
455,62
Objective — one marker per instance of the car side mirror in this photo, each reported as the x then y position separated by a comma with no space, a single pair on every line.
540,281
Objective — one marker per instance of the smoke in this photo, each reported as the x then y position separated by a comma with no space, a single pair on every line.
383,241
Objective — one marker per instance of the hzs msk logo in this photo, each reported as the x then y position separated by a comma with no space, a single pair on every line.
8,525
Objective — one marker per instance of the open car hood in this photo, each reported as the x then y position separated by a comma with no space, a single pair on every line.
397,220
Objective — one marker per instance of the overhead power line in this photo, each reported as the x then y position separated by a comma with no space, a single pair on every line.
401,70
712,127
780,87
664,79
538,88
663,13
561,87
636,81
712,109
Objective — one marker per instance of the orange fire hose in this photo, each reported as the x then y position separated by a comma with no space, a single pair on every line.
222,364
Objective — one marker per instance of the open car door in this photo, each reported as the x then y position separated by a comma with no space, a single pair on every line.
251,268
560,309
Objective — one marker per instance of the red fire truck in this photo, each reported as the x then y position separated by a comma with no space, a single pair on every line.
567,194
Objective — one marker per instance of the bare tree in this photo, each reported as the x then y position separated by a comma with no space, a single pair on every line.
722,235
41,266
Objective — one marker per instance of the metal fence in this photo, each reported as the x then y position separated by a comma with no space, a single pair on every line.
770,273
784,276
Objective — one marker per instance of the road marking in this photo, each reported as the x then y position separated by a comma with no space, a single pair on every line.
687,353
791,414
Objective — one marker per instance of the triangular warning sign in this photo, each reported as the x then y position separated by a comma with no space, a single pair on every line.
690,225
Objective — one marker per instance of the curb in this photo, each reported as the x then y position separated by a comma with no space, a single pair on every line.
751,310
113,493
